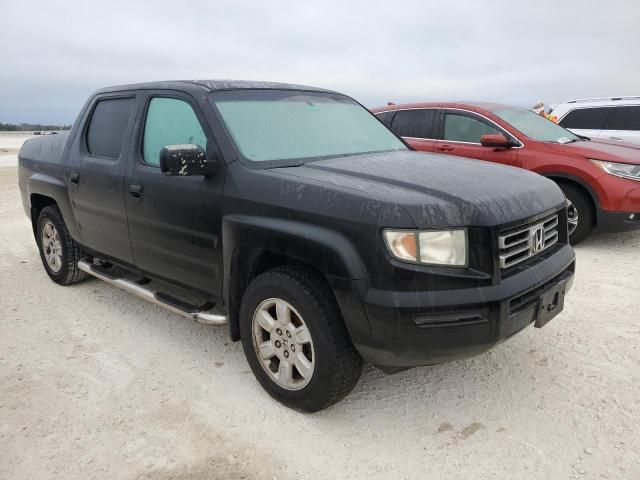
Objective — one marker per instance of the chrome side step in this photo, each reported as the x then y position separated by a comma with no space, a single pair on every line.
206,317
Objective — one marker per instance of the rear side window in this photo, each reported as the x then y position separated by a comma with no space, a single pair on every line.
462,128
170,122
416,123
624,118
386,117
108,125
586,118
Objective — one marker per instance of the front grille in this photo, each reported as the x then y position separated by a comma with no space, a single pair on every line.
521,243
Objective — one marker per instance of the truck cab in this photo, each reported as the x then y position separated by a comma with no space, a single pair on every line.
298,219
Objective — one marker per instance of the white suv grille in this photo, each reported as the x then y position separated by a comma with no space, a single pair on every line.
521,243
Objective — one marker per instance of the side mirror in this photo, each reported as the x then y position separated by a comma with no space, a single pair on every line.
496,140
185,160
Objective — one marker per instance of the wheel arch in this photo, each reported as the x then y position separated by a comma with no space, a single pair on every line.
38,202
45,190
592,197
256,245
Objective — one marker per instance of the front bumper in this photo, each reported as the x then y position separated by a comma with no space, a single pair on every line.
424,328
608,221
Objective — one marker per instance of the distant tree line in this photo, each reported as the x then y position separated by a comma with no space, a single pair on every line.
10,127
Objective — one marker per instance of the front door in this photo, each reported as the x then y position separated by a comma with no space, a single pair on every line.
461,132
174,222
96,180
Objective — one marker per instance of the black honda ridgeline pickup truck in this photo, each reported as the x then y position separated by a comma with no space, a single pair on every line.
294,216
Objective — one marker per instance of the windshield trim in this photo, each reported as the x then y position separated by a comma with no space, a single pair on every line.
290,162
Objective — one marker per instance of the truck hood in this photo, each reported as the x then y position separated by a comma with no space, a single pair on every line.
600,149
439,190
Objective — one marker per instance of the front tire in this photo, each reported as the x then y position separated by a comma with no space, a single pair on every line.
58,251
580,213
295,340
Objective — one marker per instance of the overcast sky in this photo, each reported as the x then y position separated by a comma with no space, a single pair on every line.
53,54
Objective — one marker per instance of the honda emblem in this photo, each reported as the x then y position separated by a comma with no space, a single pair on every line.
538,239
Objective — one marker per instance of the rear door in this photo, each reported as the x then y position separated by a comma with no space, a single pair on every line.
461,132
96,177
417,127
174,222
623,123
588,121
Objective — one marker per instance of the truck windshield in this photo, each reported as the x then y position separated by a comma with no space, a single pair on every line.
535,126
295,126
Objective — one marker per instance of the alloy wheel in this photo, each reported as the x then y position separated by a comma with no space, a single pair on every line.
283,344
52,247
572,216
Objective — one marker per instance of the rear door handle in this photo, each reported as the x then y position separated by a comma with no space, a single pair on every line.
74,178
135,190
444,148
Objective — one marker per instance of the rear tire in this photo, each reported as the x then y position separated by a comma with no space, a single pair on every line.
58,251
580,213
289,315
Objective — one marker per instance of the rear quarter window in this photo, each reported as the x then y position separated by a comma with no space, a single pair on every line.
586,118
108,125
386,117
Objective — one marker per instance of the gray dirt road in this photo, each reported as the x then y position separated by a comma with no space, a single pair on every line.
95,383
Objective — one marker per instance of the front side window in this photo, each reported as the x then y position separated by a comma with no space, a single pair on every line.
586,118
108,125
624,118
535,126
462,128
285,125
170,122
415,123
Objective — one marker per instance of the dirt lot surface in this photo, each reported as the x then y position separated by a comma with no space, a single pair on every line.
95,383
10,143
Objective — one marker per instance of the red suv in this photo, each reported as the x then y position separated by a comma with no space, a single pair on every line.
600,178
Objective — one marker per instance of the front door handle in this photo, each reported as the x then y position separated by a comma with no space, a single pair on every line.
444,148
135,190
74,178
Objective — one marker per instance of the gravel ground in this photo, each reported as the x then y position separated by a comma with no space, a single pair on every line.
10,143
95,383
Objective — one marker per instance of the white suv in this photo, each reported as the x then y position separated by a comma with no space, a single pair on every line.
616,118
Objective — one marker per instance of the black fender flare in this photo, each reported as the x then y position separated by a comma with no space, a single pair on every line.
54,188
331,252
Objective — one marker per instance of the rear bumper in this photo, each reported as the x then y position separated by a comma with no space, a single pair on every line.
608,221
424,328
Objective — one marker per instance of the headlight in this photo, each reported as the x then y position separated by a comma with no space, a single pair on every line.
430,247
624,170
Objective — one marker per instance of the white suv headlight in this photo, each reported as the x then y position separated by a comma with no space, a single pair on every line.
429,247
624,170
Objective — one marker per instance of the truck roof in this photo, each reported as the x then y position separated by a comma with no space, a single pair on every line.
211,85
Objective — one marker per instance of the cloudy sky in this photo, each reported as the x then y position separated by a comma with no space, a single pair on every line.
53,54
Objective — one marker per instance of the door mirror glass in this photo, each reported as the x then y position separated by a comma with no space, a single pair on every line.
185,160
496,140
